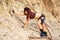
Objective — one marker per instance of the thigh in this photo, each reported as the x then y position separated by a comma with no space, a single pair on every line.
39,24
39,21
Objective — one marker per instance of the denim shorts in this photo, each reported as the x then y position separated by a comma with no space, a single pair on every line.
42,21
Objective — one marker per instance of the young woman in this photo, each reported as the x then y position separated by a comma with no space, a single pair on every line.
31,15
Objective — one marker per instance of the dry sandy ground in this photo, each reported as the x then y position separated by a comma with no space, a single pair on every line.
10,24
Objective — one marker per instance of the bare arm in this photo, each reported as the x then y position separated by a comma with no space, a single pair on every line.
17,13
27,21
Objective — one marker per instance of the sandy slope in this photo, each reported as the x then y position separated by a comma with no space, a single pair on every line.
10,24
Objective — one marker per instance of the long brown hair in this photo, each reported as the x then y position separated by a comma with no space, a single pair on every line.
27,9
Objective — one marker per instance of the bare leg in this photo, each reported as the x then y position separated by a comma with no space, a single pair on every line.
39,25
44,27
